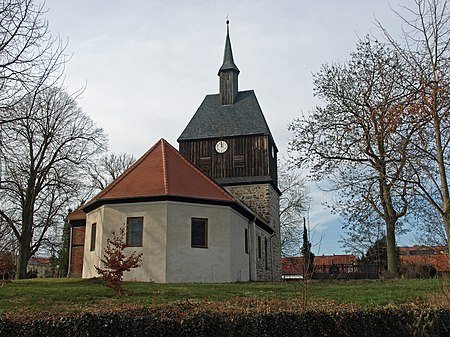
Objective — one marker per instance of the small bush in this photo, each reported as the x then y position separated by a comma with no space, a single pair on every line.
418,270
7,266
116,262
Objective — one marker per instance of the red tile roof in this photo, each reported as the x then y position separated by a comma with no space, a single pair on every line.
421,249
439,261
294,265
77,214
163,171
327,260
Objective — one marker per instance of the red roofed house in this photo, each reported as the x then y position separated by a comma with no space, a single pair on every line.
293,267
209,213
435,256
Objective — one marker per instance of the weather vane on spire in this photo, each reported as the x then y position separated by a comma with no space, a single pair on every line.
228,19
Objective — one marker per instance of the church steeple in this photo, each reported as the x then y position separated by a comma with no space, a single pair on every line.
228,74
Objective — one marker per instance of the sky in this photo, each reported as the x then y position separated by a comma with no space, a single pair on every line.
147,65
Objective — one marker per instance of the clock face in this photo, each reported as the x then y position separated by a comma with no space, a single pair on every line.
221,146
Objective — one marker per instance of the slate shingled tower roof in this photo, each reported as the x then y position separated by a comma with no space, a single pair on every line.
213,120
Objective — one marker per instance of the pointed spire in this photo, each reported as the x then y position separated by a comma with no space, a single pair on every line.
228,61
228,73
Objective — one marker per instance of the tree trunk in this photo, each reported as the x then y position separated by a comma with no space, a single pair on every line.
390,218
447,229
25,241
391,249
22,260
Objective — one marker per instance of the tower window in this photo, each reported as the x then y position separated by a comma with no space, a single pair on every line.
199,233
239,161
205,164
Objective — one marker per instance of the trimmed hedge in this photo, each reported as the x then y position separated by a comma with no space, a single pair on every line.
397,322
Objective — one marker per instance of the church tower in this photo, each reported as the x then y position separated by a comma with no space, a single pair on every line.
229,139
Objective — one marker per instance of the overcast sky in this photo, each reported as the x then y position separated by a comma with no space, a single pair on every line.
147,65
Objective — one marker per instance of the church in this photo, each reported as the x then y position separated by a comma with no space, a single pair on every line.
207,212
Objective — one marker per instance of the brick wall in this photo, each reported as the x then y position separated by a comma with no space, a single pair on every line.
77,252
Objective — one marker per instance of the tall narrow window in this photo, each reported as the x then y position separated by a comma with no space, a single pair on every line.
134,231
93,235
259,247
266,256
199,233
246,240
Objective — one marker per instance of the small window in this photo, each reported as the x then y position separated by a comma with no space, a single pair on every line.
205,164
246,240
93,236
266,255
134,231
239,161
273,151
259,247
199,233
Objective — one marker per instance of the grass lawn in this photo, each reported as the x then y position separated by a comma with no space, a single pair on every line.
76,295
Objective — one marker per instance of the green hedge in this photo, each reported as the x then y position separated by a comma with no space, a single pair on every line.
373,323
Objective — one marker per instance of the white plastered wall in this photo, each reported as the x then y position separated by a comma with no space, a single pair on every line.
153,239
224,260
92,258
167,252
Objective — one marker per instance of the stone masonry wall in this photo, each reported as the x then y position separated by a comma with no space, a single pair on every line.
264,201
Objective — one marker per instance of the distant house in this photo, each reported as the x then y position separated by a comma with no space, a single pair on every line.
421,255
293,267
40,267
325,261
422,250
342,266
347,266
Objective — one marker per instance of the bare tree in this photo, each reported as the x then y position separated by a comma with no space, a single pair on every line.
425,47
100,173
108,168
30,58
294,203
362,227
7,239
429,222
43,157
359,141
